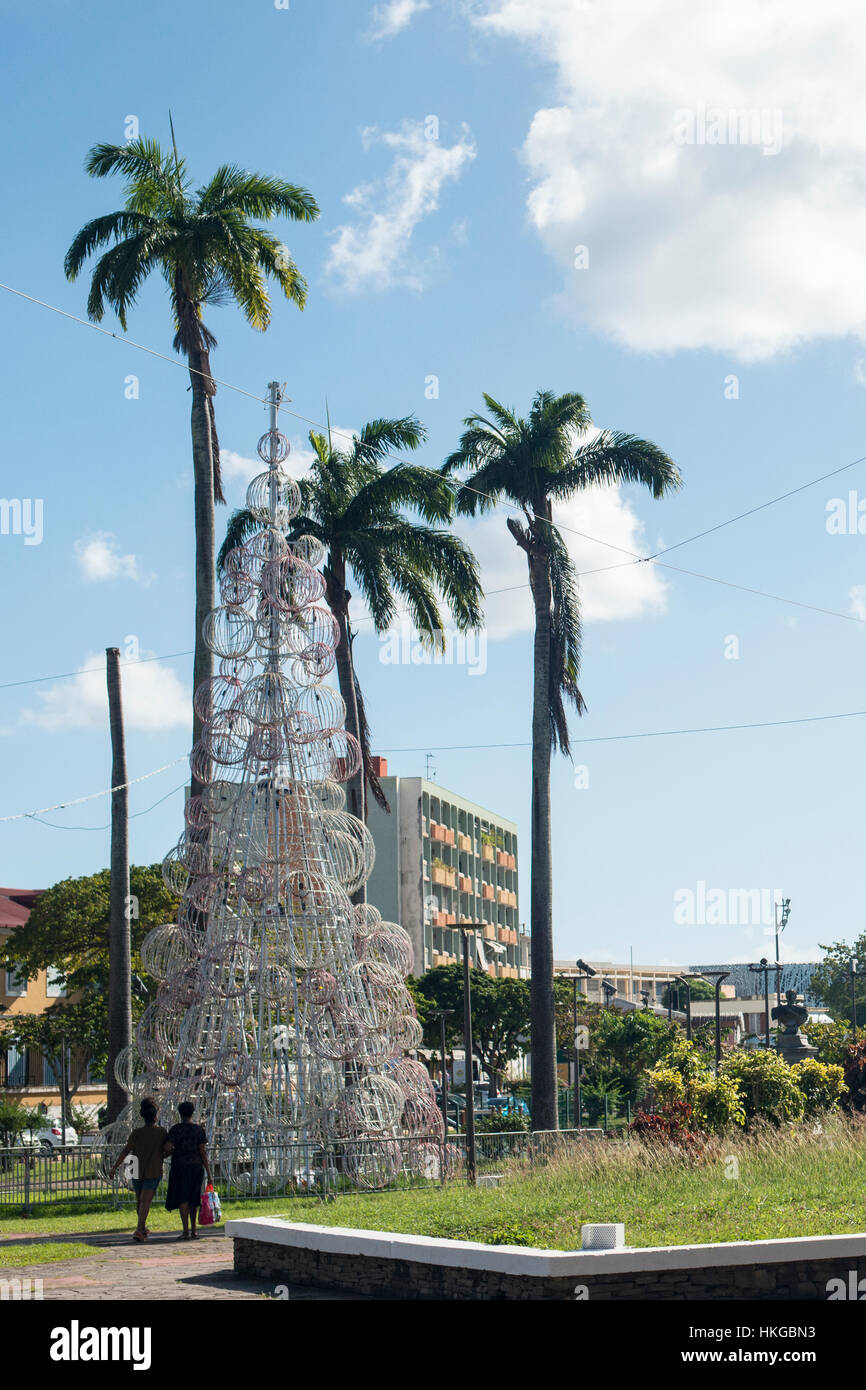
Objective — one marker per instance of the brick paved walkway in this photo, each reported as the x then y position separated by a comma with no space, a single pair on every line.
165,1268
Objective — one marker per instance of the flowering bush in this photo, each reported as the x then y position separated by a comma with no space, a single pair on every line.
684,1076
766,1084
821,1083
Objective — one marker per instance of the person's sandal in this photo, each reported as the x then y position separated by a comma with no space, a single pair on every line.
140,1237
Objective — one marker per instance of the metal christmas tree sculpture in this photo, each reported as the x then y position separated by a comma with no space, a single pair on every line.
282,1010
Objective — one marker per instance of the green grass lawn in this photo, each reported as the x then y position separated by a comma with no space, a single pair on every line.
15,1256
794,1182
70,1218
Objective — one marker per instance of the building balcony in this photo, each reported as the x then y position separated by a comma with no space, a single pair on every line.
487,892
445,877
464,843
487,853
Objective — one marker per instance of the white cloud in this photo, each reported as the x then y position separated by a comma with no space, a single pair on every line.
153,699
725,246
99,559
236,468
374,251
391,18
629,591
857,600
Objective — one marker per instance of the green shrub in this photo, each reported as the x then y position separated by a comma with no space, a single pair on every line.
767,1085
821,1083
496,1123
715,1101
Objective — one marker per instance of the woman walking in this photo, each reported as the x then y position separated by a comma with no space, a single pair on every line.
146,1147
187,1145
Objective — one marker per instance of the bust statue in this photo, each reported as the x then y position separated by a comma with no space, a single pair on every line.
790,1043
791,1014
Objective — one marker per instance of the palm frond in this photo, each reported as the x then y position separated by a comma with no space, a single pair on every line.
614,458
256,195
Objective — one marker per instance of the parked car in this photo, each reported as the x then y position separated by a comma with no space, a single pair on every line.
52,1137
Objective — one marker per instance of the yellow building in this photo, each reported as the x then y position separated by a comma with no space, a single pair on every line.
24,1073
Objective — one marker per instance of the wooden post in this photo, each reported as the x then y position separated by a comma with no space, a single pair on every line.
119,947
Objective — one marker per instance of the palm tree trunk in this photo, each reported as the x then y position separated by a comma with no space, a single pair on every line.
542,1007
346,678
205,584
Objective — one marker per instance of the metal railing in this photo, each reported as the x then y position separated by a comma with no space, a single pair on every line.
30,1180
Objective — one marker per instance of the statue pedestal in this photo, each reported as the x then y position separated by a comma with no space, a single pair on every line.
793,1047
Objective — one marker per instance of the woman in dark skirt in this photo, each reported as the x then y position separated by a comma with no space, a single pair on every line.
187,1145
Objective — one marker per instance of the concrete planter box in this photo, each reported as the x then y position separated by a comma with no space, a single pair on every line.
388,1265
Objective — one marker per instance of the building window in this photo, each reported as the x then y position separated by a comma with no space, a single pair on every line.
55,987
16,1066
16,982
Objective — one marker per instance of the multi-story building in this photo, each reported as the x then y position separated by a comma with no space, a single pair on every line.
630,982
442,861
25,1072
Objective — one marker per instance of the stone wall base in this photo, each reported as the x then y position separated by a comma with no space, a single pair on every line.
800,1281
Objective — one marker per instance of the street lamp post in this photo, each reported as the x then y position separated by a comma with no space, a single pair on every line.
682,980
442,1014
853,999
586,971
764,968
785,905
718,976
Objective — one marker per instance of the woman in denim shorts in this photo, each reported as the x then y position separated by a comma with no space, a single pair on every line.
146,1147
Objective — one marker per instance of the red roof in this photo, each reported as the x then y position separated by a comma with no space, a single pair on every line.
15,905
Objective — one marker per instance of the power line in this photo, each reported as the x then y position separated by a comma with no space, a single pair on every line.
636,559
52,825
89,670
130,342
651,733
79,801
783,496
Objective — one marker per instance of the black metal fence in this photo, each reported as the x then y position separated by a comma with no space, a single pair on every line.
30,1180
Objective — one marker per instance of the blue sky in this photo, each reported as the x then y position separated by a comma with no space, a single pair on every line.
460,153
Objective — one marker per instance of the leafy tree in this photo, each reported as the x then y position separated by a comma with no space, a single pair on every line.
832,980
700,989
356,507
629,1044
15,1120
500,1015
209,251
68,930
532,464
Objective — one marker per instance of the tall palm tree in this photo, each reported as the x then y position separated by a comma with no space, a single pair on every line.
533,463
355,506
209,252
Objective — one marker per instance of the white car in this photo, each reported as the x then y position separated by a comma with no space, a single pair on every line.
52,1137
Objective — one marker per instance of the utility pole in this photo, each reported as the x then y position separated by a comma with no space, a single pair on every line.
471,1161
853,999
119,948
